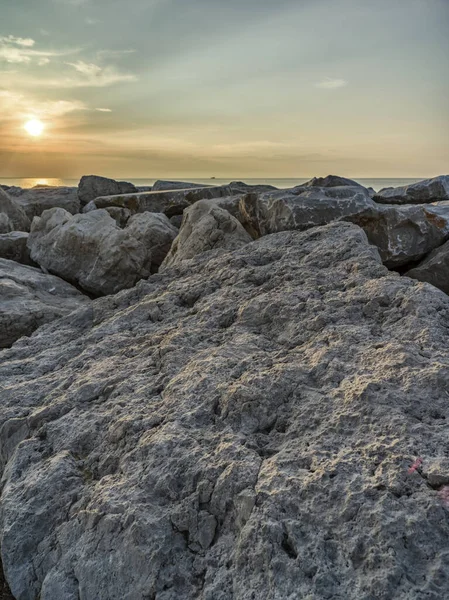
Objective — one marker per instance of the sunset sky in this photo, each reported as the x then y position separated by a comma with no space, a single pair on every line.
225,88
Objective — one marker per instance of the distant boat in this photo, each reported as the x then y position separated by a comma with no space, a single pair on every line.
213,178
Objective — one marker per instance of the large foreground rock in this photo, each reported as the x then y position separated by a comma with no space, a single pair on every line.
12,216
35,200
90,250
429,190
92,186
30,298
434,268
206,227
238,428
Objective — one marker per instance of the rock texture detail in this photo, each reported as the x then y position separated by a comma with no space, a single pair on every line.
434,268
429,190
206,227
35,200
30,298
13,246
92,186
89,250
12,216
240,427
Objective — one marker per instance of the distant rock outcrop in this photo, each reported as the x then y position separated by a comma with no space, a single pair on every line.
244,426
429,190
12,216
206,227
163,186
92,186
30,298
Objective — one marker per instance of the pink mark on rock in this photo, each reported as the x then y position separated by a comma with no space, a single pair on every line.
443,494
418,462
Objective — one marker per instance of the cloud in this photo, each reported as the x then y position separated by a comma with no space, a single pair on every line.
331,84
96,76
16,50
90,21
16,106
72,2
106,110
18,41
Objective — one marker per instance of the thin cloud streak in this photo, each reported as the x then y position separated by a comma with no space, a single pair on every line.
331,84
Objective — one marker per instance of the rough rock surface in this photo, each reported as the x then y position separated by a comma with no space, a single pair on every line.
162,185
301,208
206,227
171,203
155,232
434,268
429,190
405,234
92,186
231,204
12,216
331,181
240,427
89,250
35,200
30,298
13,246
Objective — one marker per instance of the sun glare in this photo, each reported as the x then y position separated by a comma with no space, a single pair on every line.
34,127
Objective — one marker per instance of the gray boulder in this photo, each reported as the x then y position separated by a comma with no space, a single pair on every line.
171,203
120,215
92,186
12,216
404,234
301,209
206,227
241,186
240,427
429,190
331,181
176,221
35,200
155,232
163,186
30,298
13,246
434,269
89,250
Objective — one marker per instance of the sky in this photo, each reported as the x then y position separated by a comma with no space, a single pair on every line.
225,88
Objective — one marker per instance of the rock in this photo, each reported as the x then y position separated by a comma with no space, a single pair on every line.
231,204
35,200
240,186
240,427
434,269
331,181
89,250
162,186
176,221
429,190
93,186
12,216
29,298
404,234
171,203
13,246
155,232
282,211
205,227
120,215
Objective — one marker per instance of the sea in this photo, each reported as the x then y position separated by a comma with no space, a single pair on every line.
377,183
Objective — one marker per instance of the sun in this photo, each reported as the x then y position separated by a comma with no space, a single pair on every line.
34,127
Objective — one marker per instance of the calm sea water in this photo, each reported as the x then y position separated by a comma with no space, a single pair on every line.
377,184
